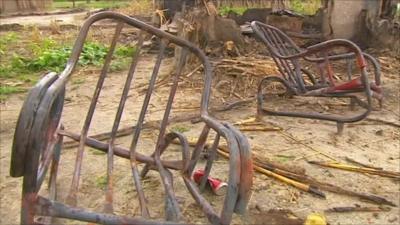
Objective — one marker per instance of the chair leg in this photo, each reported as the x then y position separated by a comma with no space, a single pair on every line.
352,104
380,101
340,127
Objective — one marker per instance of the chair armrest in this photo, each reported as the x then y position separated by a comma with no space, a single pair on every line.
239,157
330,57
28,115
353,48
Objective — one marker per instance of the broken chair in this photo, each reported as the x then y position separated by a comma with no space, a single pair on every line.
296,78
38,141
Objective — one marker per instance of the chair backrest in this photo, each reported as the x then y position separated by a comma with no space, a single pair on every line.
280,46
164,39
38,138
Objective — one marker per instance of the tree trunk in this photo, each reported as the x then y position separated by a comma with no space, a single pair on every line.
32,5
278,5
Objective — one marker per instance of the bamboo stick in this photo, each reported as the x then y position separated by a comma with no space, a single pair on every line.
357,209
299,185
383,173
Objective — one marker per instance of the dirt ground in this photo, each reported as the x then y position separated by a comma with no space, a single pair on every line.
70,18
299,141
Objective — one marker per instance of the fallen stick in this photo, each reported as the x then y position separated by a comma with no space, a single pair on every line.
383,173
362,164
194,70
307,146
389,123
357,209
302,177
299,176
252,124
339,190
299,185
270,165
256,128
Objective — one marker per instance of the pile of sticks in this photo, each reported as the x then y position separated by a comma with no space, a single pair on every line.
240,76
246,66
296,176
304,182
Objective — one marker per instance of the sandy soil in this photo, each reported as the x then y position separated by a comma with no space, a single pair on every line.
46,20
366,141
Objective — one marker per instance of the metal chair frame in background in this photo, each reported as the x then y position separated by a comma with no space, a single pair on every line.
38,142
287,56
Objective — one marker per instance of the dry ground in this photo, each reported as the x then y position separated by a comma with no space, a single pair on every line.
366,141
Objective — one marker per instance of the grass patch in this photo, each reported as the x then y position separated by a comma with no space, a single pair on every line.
101,181
97,152
78,81
224,10
6,90
24,60
93,53
179,128
138,7
308,7
284,158
6,40
68,4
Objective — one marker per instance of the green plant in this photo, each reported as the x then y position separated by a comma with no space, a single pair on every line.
38,47
101,181
52,60
94,4
6,40
42,55
309,7
284,158
179,128
6,90
79,81
93,54
125,51
224,10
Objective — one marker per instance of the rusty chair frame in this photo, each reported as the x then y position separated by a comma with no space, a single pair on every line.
287,55
38,141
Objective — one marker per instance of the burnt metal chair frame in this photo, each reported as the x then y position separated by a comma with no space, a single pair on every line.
38,142
286,55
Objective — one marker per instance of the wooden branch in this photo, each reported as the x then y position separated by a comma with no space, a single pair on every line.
357,209
362,164
383,173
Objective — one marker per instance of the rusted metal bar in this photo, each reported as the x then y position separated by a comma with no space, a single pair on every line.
211,157
108,207
72,197
122,152
45,207
246,165
171,199
135,173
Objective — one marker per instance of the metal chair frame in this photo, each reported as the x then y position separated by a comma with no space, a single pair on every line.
287,56
38,141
